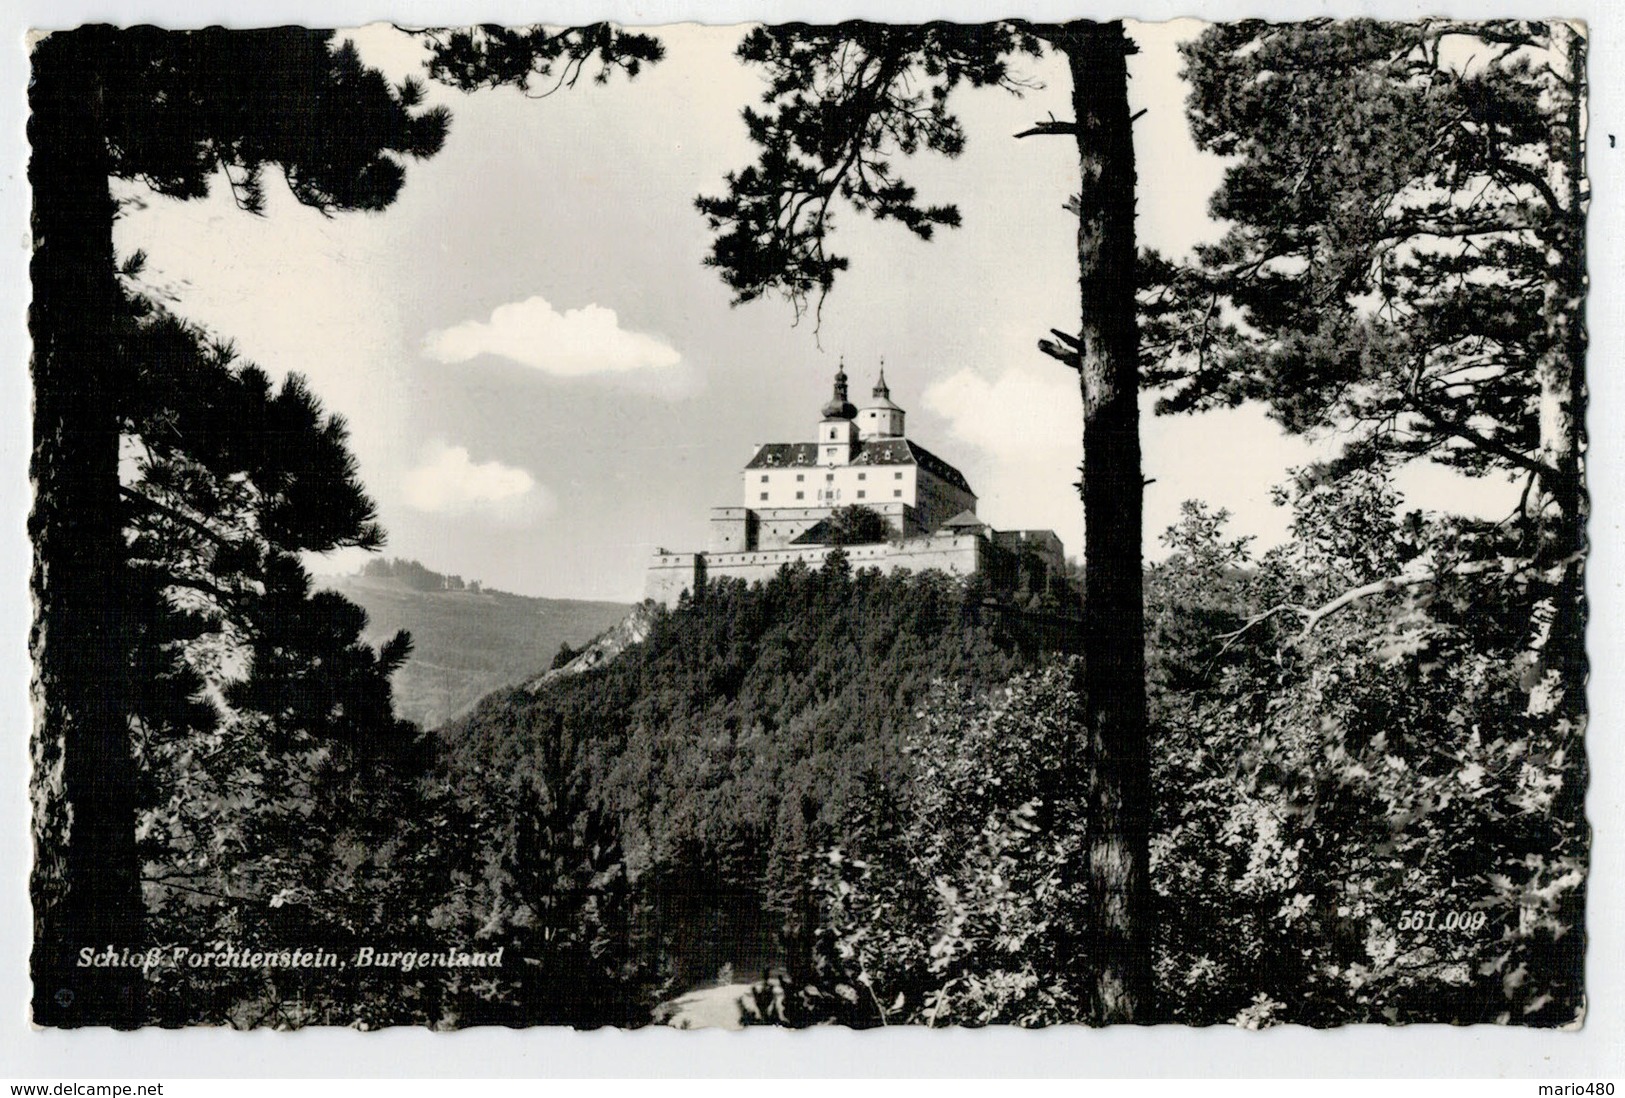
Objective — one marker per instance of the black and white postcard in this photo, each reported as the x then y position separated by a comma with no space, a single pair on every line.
938,524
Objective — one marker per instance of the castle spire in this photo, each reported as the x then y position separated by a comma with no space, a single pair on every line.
839,406
880,418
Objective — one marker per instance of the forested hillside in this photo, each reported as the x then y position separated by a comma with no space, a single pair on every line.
854,780
466,640
736,739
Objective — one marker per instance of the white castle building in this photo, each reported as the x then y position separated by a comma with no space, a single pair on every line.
861,456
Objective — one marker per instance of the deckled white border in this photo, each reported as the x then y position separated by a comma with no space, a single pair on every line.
1597,1051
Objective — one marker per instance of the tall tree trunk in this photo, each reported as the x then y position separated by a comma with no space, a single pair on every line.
1560,650
86,886
1112,690
1557,664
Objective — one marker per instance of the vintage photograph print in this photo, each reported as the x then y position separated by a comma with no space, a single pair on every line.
869,524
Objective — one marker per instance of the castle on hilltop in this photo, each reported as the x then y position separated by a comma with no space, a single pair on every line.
861,456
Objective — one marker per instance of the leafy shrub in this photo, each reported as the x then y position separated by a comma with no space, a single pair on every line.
954,903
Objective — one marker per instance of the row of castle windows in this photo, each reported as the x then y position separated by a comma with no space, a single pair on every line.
898,494
831,476
725,559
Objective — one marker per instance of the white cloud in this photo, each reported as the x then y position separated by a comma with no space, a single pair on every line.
1028,424
1022,414
448,481
575,343
1029,421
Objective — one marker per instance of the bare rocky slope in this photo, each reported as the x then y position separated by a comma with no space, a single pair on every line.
630,630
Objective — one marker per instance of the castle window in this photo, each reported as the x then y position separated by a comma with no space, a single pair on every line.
764,478
895,495
801,495
829,476
897,476
863,476
861,493
800,477
764,497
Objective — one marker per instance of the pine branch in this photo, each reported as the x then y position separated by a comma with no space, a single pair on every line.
1460,430
1064,348
225,597
200,891
1532,178
1053,126
152,506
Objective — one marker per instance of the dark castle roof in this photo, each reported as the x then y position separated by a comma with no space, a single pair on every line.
780,455
964,520
886,451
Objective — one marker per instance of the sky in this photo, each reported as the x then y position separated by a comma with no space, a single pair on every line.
544,383
386,294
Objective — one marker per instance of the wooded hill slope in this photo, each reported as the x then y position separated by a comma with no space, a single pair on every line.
737,738
1359,822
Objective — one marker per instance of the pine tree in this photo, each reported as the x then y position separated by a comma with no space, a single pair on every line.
169,109
848,100
1405,263
272,768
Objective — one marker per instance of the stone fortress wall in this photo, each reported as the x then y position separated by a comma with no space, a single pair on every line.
745,530
670,574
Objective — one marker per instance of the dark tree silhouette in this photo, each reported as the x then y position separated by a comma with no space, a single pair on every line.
171,109
1406,261
273,772
856,524
845,102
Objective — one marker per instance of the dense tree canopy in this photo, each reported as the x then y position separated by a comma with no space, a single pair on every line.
750,699
1360,820
1405,261
1360,823
173,110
